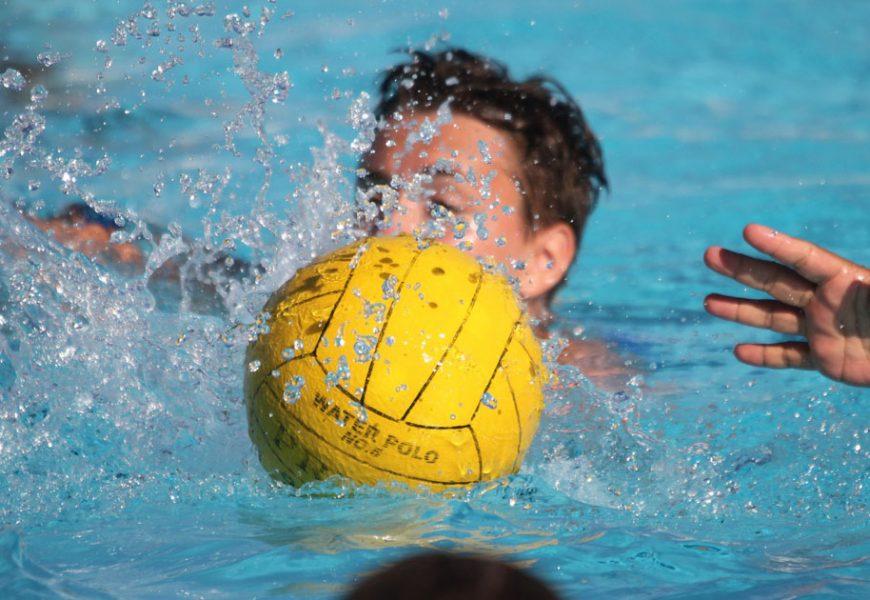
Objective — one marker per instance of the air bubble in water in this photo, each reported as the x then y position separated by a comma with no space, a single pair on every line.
254,366
488,400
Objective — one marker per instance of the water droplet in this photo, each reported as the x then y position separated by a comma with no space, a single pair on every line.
49,59
293,389
341,373
374,309
364,346
12,80
389,288
254,366
488,400
484,152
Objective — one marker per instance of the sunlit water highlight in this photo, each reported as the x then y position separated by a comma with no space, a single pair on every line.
125,467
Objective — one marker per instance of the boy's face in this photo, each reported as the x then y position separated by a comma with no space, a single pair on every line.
458,181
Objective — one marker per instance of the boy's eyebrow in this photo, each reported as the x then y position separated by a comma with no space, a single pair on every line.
377,177
374,177
440,168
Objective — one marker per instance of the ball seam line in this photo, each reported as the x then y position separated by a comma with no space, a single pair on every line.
518,457
273,447
480,278
286,362
352,457
495,370
317,297
353,398
479,457
337,304
535,370
395,301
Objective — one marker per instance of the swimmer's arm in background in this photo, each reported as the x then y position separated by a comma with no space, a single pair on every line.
81,229
599,362
818,296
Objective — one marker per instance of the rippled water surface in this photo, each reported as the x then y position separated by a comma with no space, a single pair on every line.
125,466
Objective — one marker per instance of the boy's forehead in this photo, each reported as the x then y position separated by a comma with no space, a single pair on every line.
408,146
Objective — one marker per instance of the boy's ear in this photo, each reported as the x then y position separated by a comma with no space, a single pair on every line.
552,250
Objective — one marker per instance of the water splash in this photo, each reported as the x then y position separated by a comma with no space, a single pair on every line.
108,397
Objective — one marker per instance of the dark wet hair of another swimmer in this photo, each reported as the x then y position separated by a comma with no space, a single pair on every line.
442,576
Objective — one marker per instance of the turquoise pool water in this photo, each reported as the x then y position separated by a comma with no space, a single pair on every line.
125,467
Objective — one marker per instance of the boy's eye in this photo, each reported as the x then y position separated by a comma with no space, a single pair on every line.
377,201
439,209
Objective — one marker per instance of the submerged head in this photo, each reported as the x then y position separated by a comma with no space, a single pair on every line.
443,576
502,168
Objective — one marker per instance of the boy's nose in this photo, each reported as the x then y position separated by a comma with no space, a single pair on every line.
407,215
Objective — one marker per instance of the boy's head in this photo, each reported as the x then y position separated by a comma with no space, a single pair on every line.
443,576
502,168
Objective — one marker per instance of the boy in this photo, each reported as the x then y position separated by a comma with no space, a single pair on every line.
510,170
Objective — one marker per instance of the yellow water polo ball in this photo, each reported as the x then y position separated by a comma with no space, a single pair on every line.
394,360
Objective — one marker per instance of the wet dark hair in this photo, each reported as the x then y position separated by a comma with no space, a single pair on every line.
562,162
442,576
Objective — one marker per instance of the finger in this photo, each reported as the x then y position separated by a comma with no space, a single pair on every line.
811,261
766,314
786,355
780,282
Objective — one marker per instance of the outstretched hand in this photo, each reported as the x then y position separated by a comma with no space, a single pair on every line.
817,295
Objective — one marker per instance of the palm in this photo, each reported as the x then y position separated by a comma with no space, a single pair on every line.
817,295
838,336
